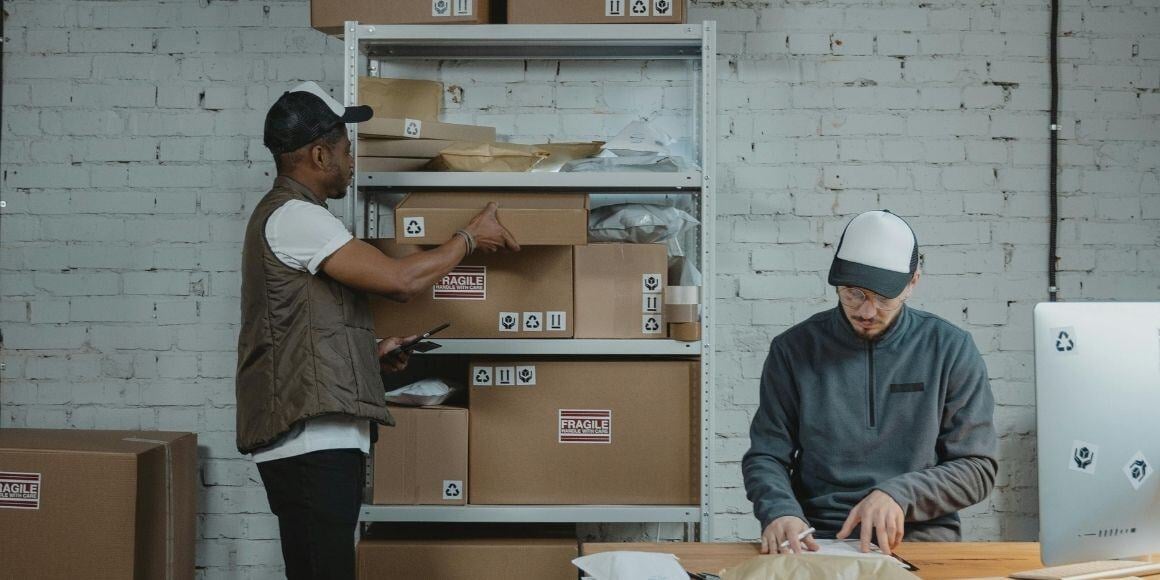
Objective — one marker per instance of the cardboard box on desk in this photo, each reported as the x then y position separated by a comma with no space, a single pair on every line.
503,295
422,460
534,219
329,15
619,290
584,432
391,128
117,505
596,11
467,559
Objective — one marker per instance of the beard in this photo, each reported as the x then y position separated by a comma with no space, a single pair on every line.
337,182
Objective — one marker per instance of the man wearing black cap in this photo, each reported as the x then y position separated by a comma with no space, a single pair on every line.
308,381
875,419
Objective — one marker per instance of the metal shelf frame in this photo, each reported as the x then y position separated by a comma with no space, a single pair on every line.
694,43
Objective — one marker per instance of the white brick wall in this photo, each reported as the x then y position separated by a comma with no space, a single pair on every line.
132,156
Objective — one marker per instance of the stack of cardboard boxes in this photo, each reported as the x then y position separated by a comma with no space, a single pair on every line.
329,15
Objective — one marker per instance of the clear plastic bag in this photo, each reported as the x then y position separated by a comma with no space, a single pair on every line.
638,223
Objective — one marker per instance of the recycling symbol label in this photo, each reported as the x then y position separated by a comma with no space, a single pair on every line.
662,8
614,7
440,8
533,321
481,377
413,128
1138,470
1064,339
639,7
452,489
509,322
651,324
526,376
651,283
414,227
1084,456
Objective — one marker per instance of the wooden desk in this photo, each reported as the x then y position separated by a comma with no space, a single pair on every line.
934,560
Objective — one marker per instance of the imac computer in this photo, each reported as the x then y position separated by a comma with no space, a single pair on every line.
1097,386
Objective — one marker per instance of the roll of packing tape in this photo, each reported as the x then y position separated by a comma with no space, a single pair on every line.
681,312
685,331
682,294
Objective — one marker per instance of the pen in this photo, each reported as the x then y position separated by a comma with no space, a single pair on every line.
801,537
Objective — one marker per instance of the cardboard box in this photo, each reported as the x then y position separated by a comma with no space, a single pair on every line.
584,432
502,295
596,11
422,460
390,128
329,15
401,98
412,148
97,505
619,290
391,164
467,559
534,219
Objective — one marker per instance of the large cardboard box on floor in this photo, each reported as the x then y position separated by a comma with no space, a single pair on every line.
526,294
620,290
467,559
534,219
584,432
116,505
330,15
596,11
422,460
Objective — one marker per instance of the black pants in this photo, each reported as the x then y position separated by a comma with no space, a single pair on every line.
317,497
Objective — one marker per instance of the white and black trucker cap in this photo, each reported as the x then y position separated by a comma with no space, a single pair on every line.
878,251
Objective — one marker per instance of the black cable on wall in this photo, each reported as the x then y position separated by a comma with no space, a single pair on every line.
1053,164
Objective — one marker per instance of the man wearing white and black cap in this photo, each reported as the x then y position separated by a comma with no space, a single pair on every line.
875,419
308,381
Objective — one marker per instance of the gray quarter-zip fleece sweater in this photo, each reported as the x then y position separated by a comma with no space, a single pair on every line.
910,414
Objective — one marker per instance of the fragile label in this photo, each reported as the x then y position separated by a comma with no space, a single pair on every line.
585,426
614,7
463,283
440,7
413,128
414,227
19,491
462,7
509,321
452,489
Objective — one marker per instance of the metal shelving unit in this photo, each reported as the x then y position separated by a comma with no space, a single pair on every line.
367,204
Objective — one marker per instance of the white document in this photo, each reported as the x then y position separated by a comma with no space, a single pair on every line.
851,548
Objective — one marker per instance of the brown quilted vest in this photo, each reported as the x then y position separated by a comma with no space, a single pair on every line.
307,344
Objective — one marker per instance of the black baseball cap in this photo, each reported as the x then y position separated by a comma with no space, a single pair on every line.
878,251
304,114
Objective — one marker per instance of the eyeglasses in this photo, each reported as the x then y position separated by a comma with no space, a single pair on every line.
854,298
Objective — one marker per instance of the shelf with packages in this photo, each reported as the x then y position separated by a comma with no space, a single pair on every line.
370,208
531,513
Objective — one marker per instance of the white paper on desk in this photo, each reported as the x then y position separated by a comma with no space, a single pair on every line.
631,566
851,548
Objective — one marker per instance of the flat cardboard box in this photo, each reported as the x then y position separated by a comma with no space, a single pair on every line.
503,295
329,15
412,148
422,460
97,504
467,559
391,128
534,219
401,98
596,11
584,432
391,164
619,290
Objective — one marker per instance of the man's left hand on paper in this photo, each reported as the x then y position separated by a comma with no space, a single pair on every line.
882,521
393,363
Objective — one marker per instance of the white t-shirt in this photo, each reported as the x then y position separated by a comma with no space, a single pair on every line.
303,235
